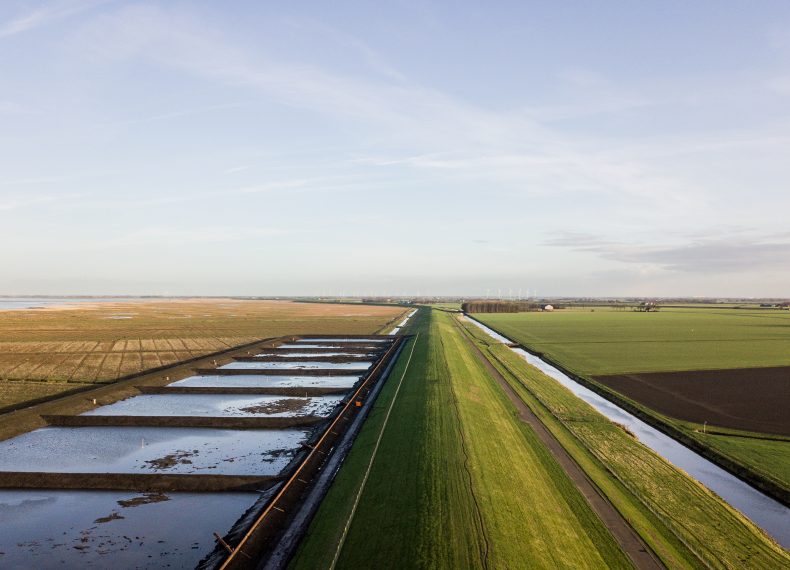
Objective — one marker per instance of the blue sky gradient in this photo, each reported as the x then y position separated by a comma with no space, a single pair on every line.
576,148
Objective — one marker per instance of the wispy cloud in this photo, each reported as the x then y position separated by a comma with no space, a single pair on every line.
174,39
276,121
16,203
715,254
12,108
239,168
45,14
175,114
161,236
447,136
434,133
579,241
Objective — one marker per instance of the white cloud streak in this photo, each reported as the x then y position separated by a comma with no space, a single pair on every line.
714,254
44,15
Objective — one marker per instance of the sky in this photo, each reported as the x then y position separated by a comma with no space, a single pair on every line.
603,148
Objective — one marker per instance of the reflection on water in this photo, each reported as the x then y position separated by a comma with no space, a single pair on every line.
356,340
312,354
112,529
263,381
338,345
402,324
219,405
355,365
151,450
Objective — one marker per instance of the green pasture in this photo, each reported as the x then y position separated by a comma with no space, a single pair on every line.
612,342
592,342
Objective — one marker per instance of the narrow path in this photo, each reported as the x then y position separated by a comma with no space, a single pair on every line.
624,534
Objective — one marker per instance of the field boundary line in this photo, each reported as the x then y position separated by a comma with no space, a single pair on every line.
372,459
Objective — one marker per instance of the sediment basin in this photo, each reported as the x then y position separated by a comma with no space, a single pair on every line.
344,339
229,430
152,450
312,355
333,344
372,352
264,381
219,405
401,324
765,512
46,529
300,365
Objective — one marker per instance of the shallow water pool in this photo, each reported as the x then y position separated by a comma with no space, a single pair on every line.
151,450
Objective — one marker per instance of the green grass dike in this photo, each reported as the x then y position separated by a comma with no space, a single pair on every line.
458,480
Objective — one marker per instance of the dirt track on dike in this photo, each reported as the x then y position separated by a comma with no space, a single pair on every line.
750,399
623,533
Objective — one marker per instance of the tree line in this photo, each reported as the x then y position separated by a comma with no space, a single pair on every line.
500,307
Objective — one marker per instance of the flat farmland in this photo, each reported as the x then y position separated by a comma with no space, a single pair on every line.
606,341
751,399
44,352
684,523
684,367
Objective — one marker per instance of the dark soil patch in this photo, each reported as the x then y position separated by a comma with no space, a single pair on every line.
146,499
278,406
750,399
275,454
111,517
172,459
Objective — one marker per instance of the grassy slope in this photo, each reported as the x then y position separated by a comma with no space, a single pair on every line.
417,509
614,342
766,454
458,479
609,342
671,501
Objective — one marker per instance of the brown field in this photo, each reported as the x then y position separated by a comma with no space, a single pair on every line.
749,399
47,351
19,391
